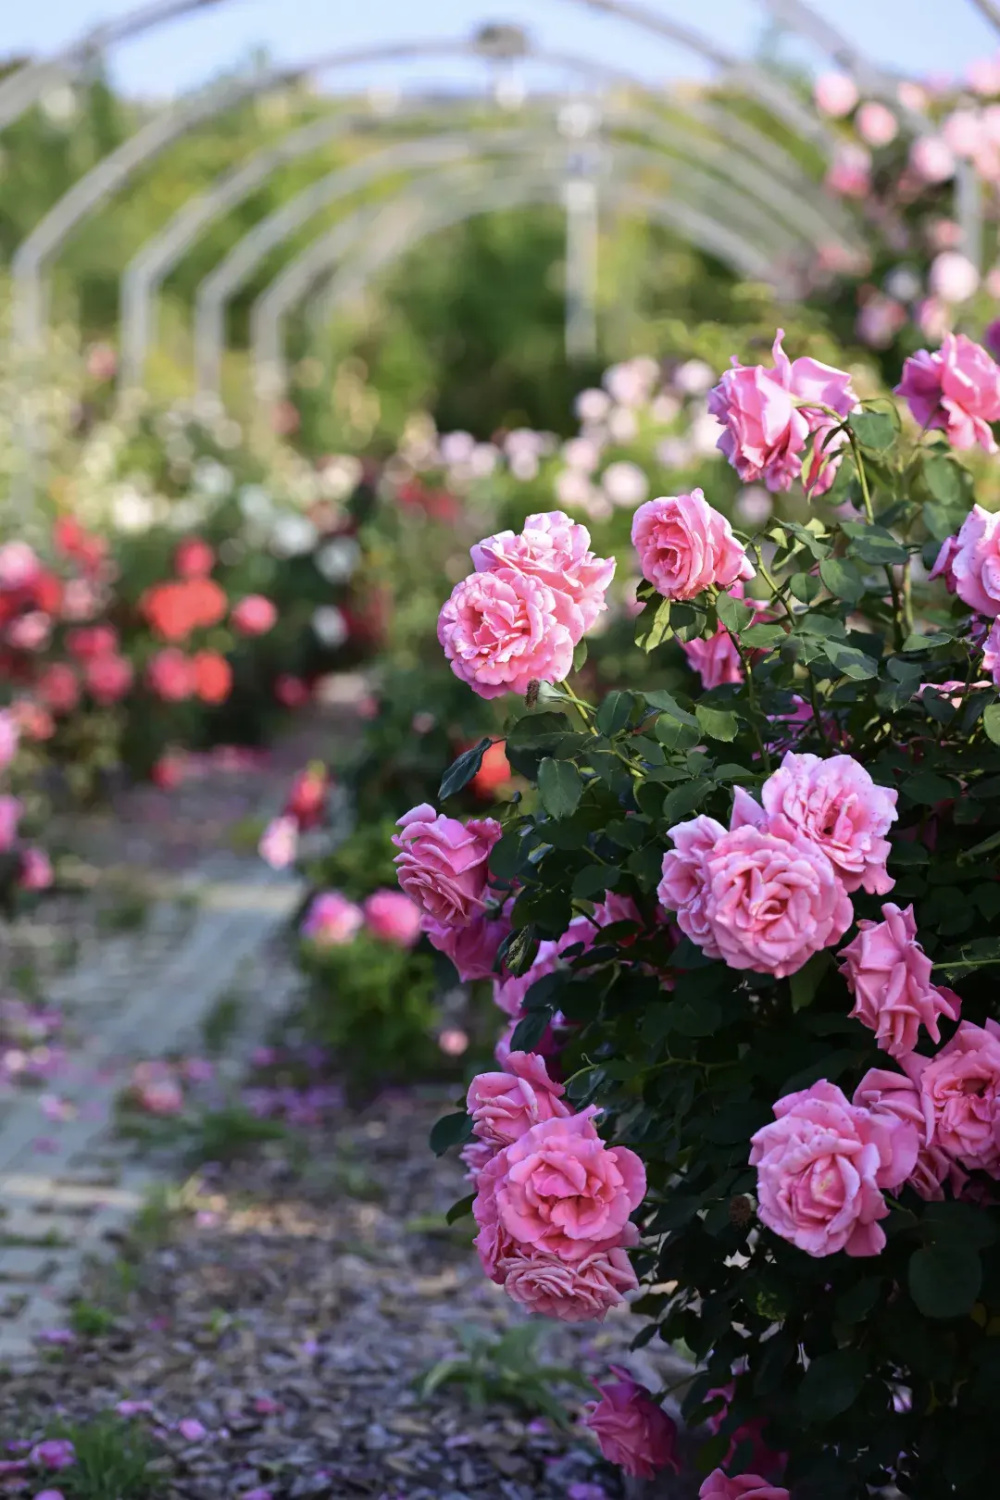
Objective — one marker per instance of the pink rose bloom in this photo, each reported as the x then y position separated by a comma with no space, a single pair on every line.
716,660
193,558
975,561
763,1458
840,809
767,433
876,125
279,843
332,920
850,172
555,550
10,735
36,870
108,678
560,1189
579,1293
953,277
443,865
991,653
19,565
58,688
393,917
682,888
506,1105
932,159
632,1430
474,1155
254,615
11,811
743,1487
473,948
171,675
509,992
30,632
92,640
821,1169
54,1453
889,975
942,564
503,630
956,389
685,546
494,1245
772,899
835,94
894,1094
962,1086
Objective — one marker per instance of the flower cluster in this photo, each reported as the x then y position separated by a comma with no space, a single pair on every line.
443,866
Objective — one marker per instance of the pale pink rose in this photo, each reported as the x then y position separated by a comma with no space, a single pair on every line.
473,947
10,736
108,678
975,561
932,159
279,843
443,865
894,1094
560,1189
11,811
835,94
769,422
36,870
578,1293
840,809
716,660
879,320
504,1106
30,632
889,975
772,898
393,917
632,1430
849,174
991,653
685,546
254,615
962,1085
718,1486
956,389
19,565
503,630
332,920
933,318
682,888
953,277
556,551
942,564
876,125
822,1167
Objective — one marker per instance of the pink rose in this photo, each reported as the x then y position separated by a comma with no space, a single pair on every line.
393,917
763,1458
743,1487
685,546
36,870
92,640
503,630
632,1429
474,1155
510,991
772,899
682,888
473,948
991,653
769,422
975,561
331,920
53,1453
579,1293
889,975
10,736
560,1189
942,564
877,126
193,558
254,615
108,678
506,1105
850,172
555,550
835,94
279,843
19,565
839,808
887,1093
962,1086
822,1166
956,389
443,865
58,688
171,675
716,660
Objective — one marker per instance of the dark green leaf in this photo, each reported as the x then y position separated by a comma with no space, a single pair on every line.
560,787
579,655
945,1278
462,770
718,723
874,430
843,580
944,480
804,587
806,981
653,626
734,613
991,722
594,880
460,1210
530,1029
850,661
450,1130
927,788
669,705
873,544
762,635
518,949
683,800
831,1384
615,712
980,953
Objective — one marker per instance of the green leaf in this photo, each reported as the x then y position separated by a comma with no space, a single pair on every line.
813,536
668,703
530,1029
873,544
928,789
804,587
593,880
579,655
717,723
518,949
850,661
854,1305
843,580
980,953
615,712
734,613
653,626
450,1130
685,799
460,1209
560,787
462,770
991,722
945,1278
832,1384
874,430
806,981
944,480
763,635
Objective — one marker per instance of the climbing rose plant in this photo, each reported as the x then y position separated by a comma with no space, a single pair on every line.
747,934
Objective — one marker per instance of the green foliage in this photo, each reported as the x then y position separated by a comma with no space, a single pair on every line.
114,1460
506,1368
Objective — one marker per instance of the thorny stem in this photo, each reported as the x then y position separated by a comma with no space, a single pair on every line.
752,695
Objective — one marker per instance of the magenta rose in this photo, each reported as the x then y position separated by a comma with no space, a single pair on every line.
502,630
975,561
393,917
716,660
956,389
331,920
991,653
504,1106
632,1429
718,1486
771,417
961,1084
685,546
560,1189
840,809
510,991
555,550
443,865
682,888
889,975
771,898
822,1167
473,948
894,1094
582,1292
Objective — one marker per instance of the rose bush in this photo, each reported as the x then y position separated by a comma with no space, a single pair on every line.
735,1071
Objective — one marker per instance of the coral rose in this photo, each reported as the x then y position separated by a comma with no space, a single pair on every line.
555,550
889,975
504,1106
682,888
894,1094
961,1084
956,389
108,678
472,948
632,1429
503,630
254,615
580,1293
206,602
393,917
975,561
170,674
331,920
444,864
822,1167
718,1486
213,676
685,546
837,806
